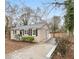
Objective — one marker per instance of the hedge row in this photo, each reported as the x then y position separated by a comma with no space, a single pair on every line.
28,38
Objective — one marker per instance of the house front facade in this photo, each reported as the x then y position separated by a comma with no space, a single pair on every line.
39,31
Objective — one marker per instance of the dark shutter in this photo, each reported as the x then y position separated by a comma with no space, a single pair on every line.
15,31
36,32
21,32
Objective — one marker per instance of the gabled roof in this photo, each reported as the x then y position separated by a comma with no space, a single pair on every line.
32,26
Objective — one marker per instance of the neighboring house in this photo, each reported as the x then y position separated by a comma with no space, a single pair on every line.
40,31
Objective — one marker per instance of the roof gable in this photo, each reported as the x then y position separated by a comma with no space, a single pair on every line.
32,26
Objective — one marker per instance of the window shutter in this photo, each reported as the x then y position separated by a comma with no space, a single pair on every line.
36,32
31,32
23,32
15,31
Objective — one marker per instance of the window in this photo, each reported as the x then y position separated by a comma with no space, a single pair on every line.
14,31
22,31
35,33
32,32
25,32
29,32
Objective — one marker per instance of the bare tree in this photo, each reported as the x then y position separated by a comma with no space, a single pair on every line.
28,14
25,14
54,24
10,12
39,14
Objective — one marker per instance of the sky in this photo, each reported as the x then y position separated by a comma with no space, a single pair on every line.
39,3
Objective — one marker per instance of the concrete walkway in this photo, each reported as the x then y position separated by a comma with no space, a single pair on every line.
38,51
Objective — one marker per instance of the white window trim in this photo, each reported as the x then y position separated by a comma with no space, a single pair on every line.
14,32
33,32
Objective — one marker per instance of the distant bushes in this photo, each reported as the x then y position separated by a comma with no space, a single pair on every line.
28,38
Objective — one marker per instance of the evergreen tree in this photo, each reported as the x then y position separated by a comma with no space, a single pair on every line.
69,17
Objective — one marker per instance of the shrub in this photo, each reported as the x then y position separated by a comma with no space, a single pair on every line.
28,38
62,47
19,35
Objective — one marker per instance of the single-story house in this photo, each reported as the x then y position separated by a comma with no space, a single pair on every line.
40,31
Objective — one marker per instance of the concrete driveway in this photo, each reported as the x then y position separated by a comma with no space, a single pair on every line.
39,51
